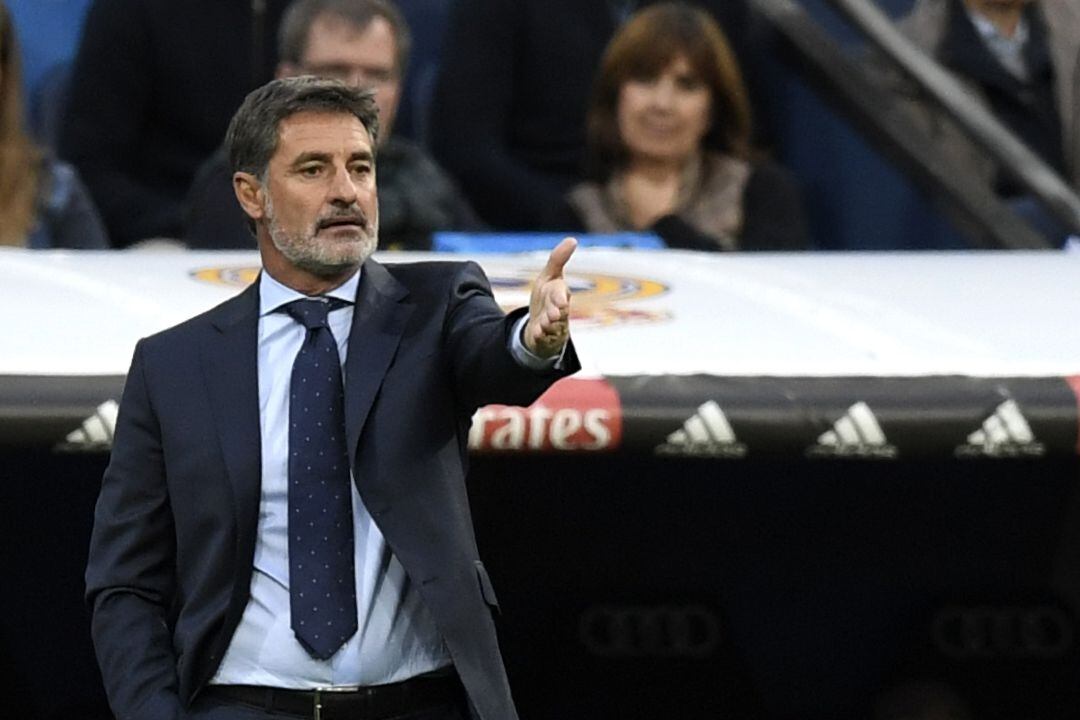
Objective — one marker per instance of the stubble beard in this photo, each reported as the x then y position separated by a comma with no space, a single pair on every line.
325,259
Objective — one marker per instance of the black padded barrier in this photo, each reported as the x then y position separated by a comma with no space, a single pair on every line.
633,585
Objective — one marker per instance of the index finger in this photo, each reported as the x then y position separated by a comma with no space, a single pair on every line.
558,258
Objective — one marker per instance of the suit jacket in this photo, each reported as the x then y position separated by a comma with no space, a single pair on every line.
927,25
174,534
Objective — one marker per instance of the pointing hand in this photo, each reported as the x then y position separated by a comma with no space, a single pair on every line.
548,328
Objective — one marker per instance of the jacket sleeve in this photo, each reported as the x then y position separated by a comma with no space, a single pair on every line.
477,334
773,212
130,572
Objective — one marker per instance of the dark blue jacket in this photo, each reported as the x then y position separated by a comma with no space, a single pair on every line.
175,527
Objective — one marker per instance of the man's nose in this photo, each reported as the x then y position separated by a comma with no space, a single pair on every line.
342,187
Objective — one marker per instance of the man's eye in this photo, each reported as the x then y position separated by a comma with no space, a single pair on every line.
363,169
311,170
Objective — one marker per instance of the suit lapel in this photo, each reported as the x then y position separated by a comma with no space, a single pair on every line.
379,320
230,366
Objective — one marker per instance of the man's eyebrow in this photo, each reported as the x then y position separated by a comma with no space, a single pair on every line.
311,156
323,157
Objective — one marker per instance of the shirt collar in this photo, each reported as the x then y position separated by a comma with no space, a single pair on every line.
272,294
988,30
1009,51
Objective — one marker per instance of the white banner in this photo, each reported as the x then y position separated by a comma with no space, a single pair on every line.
635,312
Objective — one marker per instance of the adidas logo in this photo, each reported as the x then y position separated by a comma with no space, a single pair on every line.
1005,433
706,433
856,434
96,432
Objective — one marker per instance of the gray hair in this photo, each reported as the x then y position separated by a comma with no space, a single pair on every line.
252,137
301,14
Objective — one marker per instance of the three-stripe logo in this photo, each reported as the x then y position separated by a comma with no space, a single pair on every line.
1006,433
706,433
96,431
857,433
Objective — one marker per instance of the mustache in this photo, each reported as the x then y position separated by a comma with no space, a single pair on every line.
353,215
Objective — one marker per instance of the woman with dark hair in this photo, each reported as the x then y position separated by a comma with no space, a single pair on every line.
669,134
42,202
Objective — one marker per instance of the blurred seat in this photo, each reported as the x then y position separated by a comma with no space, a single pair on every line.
49,32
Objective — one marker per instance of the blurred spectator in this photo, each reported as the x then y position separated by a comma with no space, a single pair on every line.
364,43
42,202
154,85
508,112
669,137
1021,58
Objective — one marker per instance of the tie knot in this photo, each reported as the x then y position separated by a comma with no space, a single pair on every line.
312,313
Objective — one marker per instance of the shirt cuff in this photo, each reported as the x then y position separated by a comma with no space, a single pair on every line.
525,357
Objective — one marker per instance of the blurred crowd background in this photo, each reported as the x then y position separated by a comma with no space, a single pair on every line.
717,125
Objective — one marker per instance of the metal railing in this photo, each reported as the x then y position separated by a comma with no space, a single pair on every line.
876,112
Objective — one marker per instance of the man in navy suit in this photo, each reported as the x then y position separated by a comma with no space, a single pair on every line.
194,614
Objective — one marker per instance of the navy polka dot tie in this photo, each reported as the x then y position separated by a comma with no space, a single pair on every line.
322,578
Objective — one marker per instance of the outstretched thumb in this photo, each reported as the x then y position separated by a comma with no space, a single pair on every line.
558,258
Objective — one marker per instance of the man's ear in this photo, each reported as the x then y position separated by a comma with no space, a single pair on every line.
250,193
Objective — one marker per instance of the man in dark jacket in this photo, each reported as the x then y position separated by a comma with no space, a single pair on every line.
1021,60
283,529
